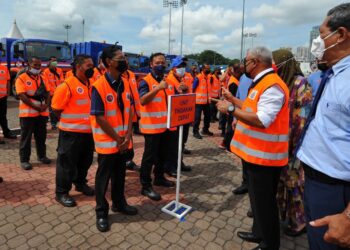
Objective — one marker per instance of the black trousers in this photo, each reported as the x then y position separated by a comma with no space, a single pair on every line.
185,135
3,115
30,126
110,167
74,158
244,174
158,151
53,118
262,182
213,110
222,122
206,111
229,132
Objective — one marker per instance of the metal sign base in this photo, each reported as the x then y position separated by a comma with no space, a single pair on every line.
178,211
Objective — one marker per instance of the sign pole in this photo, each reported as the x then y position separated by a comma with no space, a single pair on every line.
179,156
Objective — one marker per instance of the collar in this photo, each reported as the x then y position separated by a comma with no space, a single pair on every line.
156,77
261,74
111,80
341,65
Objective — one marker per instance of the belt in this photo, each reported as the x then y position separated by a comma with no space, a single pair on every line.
321,177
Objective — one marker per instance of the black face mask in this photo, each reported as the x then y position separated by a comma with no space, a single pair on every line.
245,70
207,71
89,73
322,66
159,70
122,66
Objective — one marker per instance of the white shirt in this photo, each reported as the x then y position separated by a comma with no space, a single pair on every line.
270,102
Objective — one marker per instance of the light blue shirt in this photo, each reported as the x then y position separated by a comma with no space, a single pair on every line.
244,84
326,146
315,79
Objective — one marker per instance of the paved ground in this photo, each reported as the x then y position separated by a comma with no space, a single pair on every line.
30,218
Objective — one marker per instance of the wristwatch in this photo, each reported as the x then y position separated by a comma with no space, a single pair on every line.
231,108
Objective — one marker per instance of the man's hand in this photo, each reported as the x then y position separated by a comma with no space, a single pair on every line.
124,146
227,94
43,107
223,106
120,140
183,88
338,229
163,85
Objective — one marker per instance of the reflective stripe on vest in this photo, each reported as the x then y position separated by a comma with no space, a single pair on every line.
111,113
30,92
157,99
82,101
153,126
261,135
258,153
117,129
75,116
111,144
3,92
28,111
64,125
154,114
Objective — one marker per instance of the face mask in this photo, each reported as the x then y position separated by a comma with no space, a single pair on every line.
322,66
180,71
89,73
54,64
318,46
122,66
34,71
284,62
245,70
207,71
159,69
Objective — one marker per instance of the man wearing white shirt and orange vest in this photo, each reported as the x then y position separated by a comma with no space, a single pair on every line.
71,103
261,141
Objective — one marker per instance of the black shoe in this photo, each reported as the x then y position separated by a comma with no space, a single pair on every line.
85,189
10,136
250,213
186,151
26,166
242,189
207,132
292,233
260,248
172,173
2,142
164,183
66,200
126,209
150,193
248,236
45,160
102,224
1,179
131,165
186,168
197,135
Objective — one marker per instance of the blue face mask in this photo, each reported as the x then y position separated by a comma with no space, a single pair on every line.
159,69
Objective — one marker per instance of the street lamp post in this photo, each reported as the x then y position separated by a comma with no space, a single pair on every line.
242,30
170,4
182,3
67,27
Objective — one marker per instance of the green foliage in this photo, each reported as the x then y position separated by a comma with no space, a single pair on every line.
211,57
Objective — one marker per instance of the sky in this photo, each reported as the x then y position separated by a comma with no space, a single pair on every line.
142,26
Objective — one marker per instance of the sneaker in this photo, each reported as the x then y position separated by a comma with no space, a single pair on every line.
10,136
197,135
186,151
45,160
26,166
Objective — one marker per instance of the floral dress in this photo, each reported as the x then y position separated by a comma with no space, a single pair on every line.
291,185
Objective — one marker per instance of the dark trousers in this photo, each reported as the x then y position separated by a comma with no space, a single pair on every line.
110,167
74,158
53,118
321,200
185,135
198,115
213,111
262,188
229,132
244,175
158,152
3,114
222,122
29,126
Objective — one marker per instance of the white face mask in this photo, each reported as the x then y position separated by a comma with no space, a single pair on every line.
181,71
318,46
34,71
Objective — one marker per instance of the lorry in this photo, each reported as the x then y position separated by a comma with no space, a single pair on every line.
16,52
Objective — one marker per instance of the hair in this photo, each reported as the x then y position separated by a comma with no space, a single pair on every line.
155,55
52,57
109,52
339,17
263,54
203,65
30,59
79,60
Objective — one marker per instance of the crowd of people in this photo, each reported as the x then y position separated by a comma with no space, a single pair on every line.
290,132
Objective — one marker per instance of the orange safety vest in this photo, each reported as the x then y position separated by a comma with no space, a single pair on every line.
232,80
4,78
134,94
215,87
264,146
188,80
97,74
52,79
203,89
28,85
69,74
155,113
104,144
75,116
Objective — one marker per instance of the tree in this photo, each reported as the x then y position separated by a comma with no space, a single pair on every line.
211,57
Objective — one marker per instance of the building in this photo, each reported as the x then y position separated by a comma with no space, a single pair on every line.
302,54
15,32
314,33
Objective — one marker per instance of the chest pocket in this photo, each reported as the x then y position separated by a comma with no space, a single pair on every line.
334,117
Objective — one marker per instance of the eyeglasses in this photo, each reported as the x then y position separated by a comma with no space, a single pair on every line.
118,59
